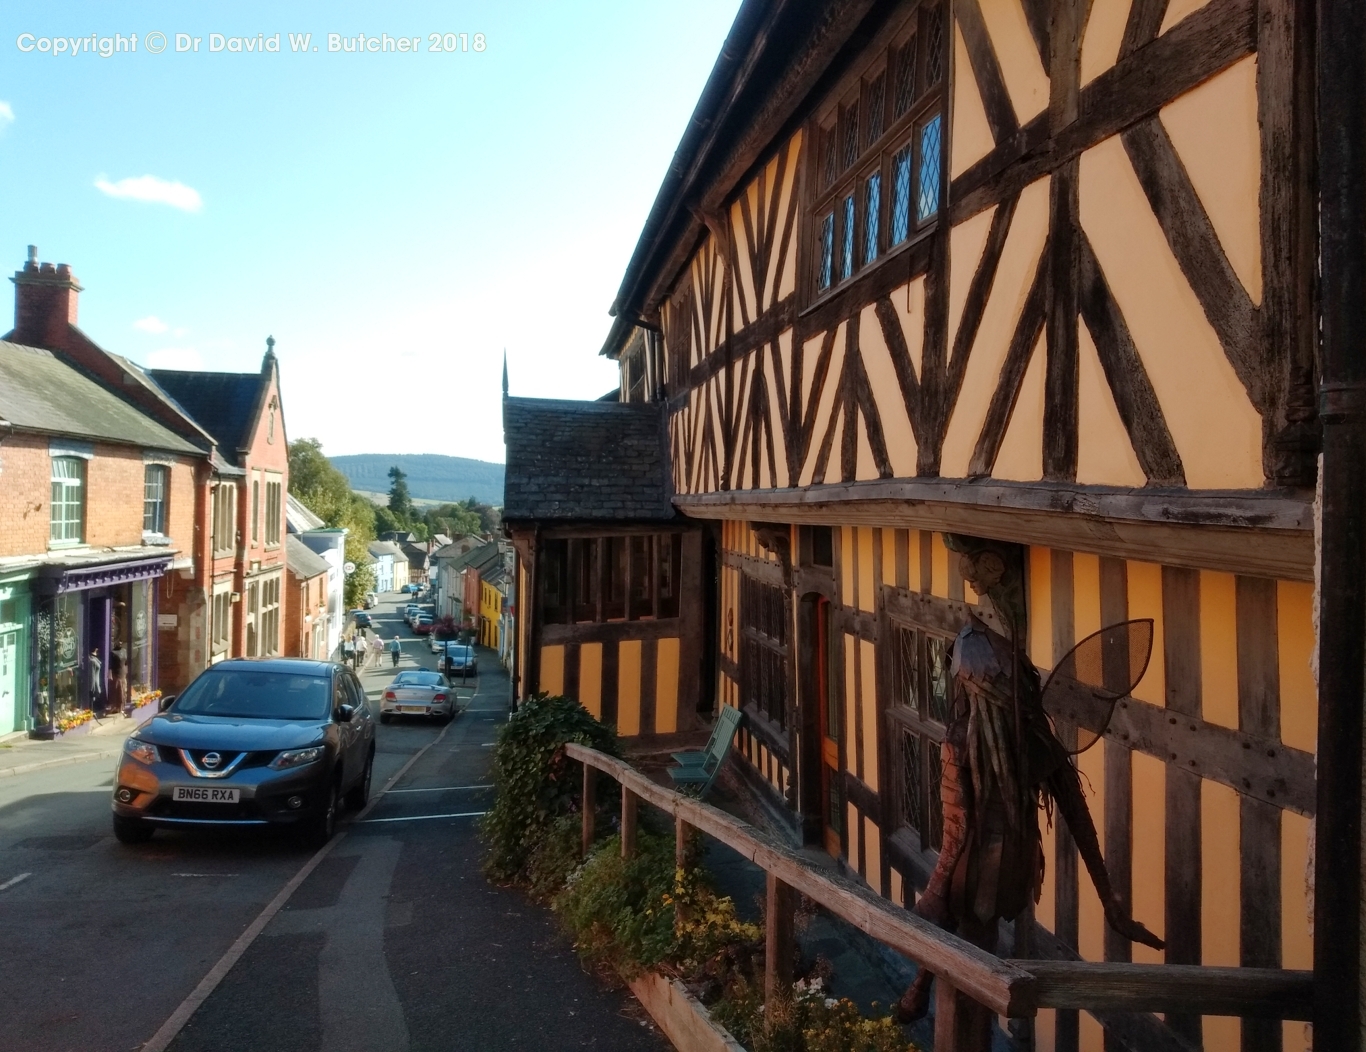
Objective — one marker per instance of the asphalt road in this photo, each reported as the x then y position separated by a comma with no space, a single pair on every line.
393,942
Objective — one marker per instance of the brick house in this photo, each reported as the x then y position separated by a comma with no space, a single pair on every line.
244,593
306,601
97,507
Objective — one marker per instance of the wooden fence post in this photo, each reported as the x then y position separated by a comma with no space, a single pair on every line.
778,946
681,833
590,806
960,1023
628,822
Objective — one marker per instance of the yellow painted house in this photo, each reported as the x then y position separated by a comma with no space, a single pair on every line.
1032,272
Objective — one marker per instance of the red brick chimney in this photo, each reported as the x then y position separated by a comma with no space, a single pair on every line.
44,303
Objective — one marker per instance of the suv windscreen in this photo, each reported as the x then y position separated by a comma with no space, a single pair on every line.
252,694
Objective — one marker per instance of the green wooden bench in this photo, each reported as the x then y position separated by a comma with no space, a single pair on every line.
698,769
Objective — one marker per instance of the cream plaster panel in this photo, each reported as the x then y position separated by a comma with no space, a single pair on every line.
1021,454
811,353
865,467
891,408
785,365
1104,34
742,284
1217,431
971,138
1177,10
783,284
1105,456
1021,68
826,406
1214,128
909,301
1019,260
966,242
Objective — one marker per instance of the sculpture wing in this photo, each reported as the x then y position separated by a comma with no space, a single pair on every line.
1105,666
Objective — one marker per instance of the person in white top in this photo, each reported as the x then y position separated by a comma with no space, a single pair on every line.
361,647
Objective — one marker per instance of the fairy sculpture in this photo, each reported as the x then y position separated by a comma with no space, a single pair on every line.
1003,762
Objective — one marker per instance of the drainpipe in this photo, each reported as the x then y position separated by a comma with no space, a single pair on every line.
1341,141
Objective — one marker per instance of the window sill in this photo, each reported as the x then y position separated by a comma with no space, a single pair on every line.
55,546
157,540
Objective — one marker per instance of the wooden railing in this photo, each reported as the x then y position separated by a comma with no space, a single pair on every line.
1015,988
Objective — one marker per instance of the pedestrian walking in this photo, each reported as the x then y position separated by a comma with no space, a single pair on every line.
349,651
395,648
361,647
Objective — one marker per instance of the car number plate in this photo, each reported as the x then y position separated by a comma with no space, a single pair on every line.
206,794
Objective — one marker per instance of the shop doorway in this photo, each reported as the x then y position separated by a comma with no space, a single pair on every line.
95,659
9,678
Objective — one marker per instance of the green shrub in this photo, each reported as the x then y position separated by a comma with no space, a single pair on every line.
804,1021
536,783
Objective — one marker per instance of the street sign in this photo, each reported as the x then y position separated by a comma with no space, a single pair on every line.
349,569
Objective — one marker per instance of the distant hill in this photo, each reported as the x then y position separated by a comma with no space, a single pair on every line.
431,476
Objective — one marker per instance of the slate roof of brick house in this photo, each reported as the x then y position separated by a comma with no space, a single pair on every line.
480,558
386,548
40,392
588,461
223,404
302,561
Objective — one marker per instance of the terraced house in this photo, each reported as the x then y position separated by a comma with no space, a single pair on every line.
1033,277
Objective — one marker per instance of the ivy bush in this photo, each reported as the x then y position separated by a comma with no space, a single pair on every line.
536,783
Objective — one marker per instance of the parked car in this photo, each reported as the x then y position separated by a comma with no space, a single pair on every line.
361,618
459,659
371,600
412,587
411,611
423,625
250,742
417,692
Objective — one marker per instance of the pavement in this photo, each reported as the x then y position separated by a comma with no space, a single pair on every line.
387,940
20,754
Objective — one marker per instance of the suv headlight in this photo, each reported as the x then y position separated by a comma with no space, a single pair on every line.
143,752
297,757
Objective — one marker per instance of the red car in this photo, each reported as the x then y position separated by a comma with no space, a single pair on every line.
423,625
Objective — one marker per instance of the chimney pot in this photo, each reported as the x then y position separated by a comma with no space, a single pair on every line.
32,256
47,268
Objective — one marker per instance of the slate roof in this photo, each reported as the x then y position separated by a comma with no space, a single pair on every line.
298,517
303,561
570,460
223,404
480,558
40,392
378,548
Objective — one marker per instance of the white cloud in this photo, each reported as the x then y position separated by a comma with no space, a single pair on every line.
157,191
151,324
175,358
6,114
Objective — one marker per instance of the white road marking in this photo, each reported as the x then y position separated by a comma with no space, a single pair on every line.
441,789
162,1039
203,874
422,818
15,880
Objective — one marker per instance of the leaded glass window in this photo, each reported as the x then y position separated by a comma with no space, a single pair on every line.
905,77
847,237
765,619
68,500
872,211
916,718
934,46
877,107
824,271
927,182
901,196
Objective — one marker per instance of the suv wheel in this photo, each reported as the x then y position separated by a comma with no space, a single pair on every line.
132,830
359,795
321,828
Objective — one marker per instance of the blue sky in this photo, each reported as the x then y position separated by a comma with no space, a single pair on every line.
394,220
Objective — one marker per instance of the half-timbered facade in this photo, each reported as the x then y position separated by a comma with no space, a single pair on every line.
608,576
1037,272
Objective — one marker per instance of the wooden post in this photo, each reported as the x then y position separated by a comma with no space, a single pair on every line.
628,822
681,833
960,1023
778,945
590,806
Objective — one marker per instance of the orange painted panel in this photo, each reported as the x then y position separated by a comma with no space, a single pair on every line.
868,703
628,687
590,678
1219,648
552,670
971,139
867,592
1149,833
1295,643
666,686
872,854
1145,600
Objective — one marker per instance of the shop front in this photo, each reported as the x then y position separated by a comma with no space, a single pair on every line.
94,642
14,652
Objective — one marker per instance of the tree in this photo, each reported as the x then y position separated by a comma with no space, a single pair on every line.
325,491
400,503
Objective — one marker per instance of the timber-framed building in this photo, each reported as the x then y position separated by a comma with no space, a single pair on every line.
1038,273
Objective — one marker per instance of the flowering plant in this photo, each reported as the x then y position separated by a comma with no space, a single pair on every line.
70,719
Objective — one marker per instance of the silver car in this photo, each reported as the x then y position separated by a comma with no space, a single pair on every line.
417,692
